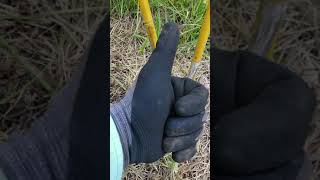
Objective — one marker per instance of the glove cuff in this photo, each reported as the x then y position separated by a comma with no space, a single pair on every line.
121,119
34,156
19,159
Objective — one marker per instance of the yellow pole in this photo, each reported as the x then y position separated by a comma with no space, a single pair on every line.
202,41
148,21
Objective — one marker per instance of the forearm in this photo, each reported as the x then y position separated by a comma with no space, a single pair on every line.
116,153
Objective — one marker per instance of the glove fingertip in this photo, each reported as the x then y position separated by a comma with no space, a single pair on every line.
184,155
173,144
169,36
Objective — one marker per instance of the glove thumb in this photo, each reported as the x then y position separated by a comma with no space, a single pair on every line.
161,59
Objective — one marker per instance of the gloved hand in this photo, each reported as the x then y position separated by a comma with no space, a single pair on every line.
160,113
262,113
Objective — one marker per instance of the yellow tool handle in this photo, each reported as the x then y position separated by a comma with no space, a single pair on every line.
148,21
203,36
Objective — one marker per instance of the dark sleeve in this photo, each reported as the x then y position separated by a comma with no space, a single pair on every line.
262,122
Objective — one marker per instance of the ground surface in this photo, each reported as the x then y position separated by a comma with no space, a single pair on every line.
47,37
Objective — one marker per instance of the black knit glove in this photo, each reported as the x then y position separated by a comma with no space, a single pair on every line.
185,122
262,113
141,116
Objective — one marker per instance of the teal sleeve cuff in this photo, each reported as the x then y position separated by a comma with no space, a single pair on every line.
116,153
2,175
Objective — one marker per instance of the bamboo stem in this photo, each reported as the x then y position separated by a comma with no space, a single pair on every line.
265,27
148,22
203,36
202,41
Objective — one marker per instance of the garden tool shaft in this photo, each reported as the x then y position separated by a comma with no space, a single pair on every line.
148,21
266,25
202,41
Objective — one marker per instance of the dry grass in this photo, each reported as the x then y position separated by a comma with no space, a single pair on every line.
297,47
47,37
127,58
